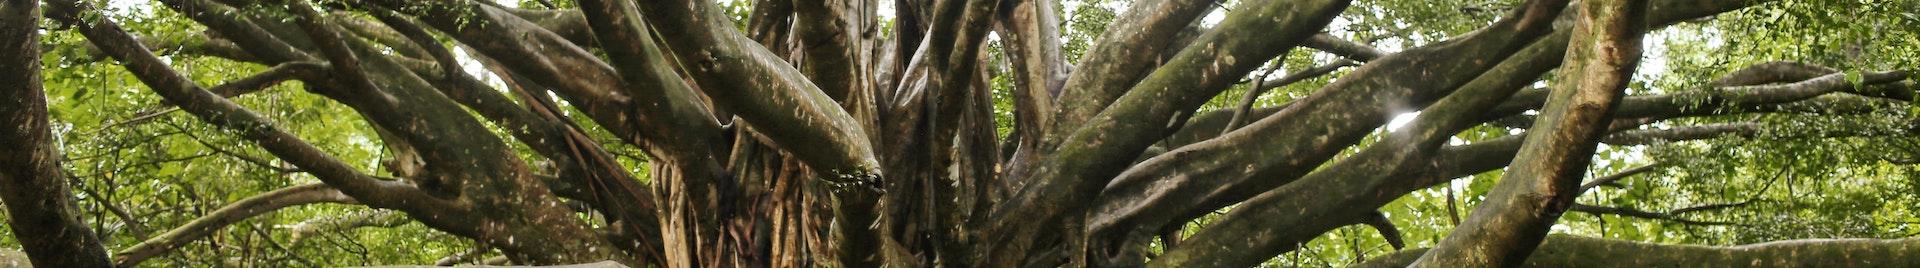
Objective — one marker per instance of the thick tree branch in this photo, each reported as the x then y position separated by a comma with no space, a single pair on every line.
538,54
1772,72
1577,251
461,161
828,32
346,65
770,24
1667,13
1122,58
416,37
1312,215
39,203
745,78
1400,152
220,112
922,116
227,215
567,23
1545,175
1274,150
695,216
476,168
588,172
1299,208
669,120
917,135
1099,149
1032,45
386,33
1715,99
249,36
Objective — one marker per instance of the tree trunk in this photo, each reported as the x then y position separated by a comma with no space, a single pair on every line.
39,203
1545,177
802,136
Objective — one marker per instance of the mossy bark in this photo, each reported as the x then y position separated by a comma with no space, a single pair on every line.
39,204
1576,251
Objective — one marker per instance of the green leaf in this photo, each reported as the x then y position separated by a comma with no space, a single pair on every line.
1913,107
1856,79
79,94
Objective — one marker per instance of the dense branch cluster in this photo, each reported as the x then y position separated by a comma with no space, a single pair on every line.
819,133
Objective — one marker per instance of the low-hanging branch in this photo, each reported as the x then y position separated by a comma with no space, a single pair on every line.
212,108
1218,167
231,213
1312,214
1193,179
1888,85
1576,251
458,161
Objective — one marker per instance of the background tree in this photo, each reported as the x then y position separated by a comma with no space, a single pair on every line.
1168,133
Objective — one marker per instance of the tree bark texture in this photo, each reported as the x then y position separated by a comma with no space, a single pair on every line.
1545,177
1574,251
40,206
809,135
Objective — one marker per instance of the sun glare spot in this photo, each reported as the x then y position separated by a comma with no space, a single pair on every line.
1401,120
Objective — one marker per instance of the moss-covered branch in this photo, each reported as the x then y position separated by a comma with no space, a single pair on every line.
1267,153
1400,152
1545,176
214,109
1123,57
1576,251
747,79
1107,142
